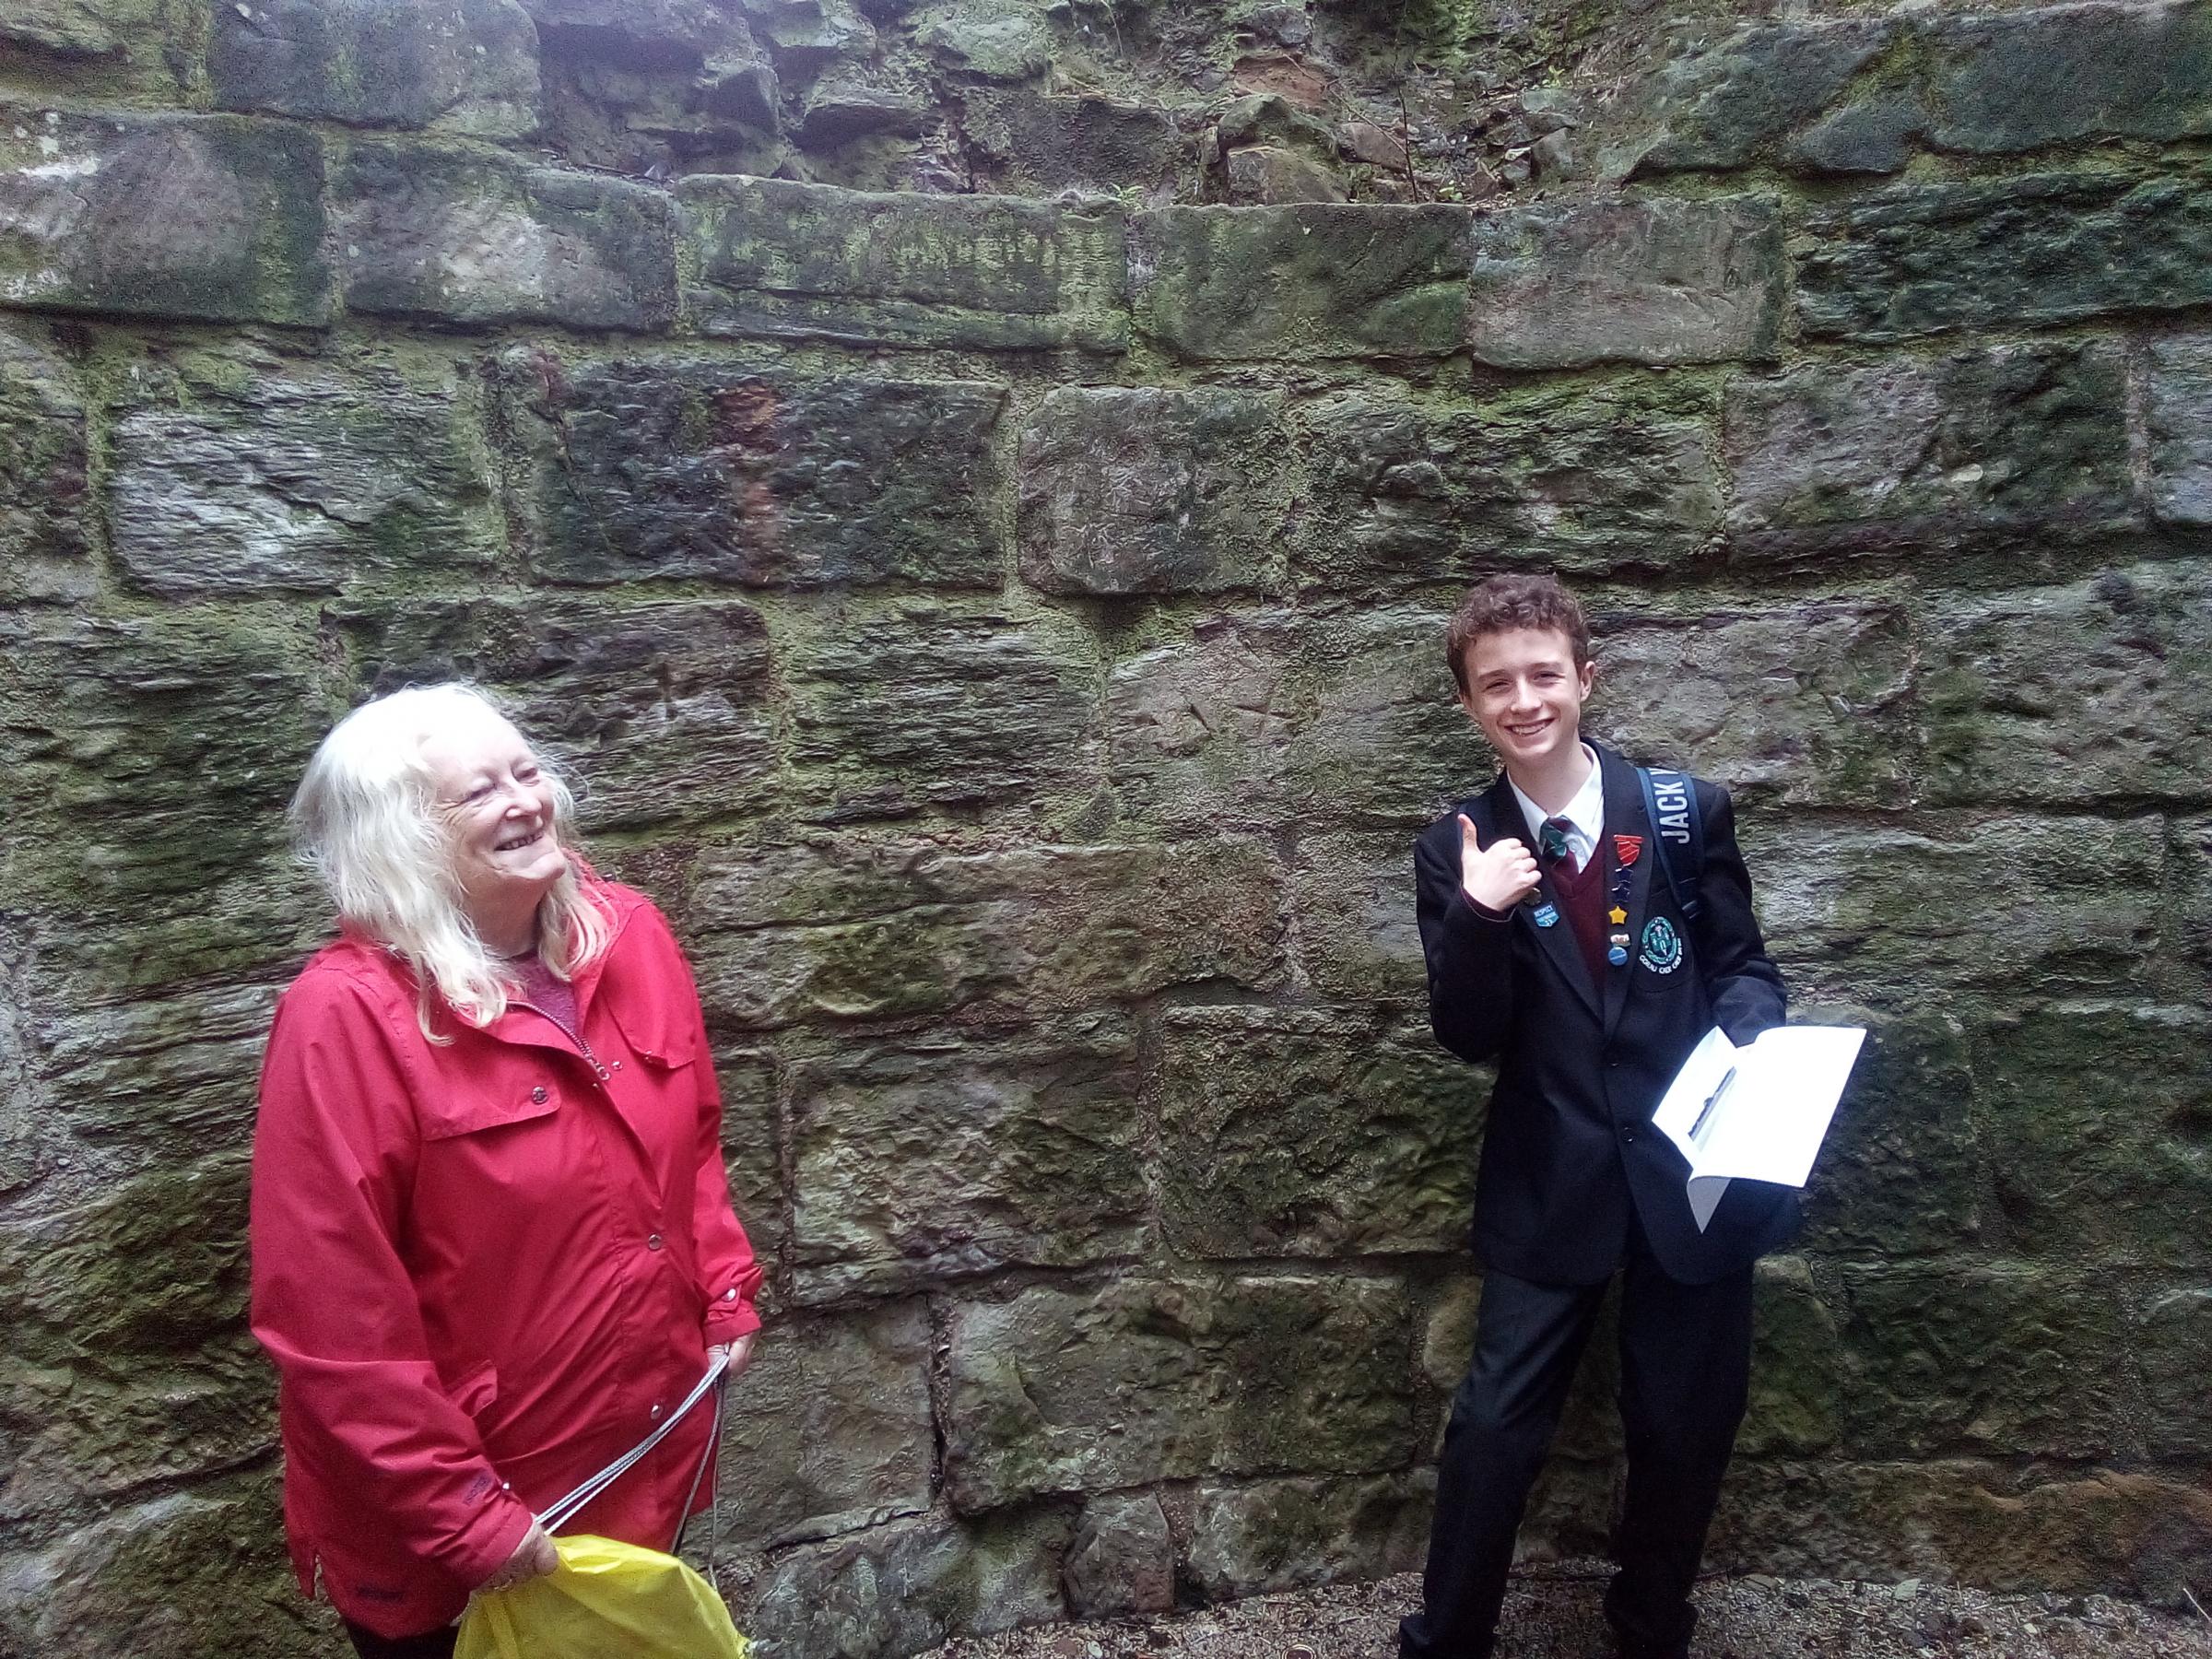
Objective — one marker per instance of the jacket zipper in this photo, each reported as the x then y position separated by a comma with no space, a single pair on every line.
575,1037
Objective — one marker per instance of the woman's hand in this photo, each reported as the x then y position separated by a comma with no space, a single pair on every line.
739,1351
533,1558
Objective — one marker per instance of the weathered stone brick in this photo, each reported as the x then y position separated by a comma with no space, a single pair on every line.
241,478
1723,103
1037,143
925,1158
908,1586
694,469
2170,1340
2025,906
1409,493
2019,80
1812,705
659,712
829,1431
1272,1535
2012,443
2021,1529
891,929
1135,489
202,1563
1265,719
1353,897
459,66
1142,1379
1998,1358
779,260
752,1141
1259,282
1122,1562
108,45
2093,1118
2098,691
1796,1365
1307,1134
44,543
1559,286
149,1282
2179,416
1900,1174
2026,252
470,236
892,712
145,763
210,217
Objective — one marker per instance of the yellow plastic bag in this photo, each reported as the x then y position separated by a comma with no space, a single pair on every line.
607,1601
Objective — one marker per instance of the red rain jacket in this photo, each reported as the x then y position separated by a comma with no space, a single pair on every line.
486,1268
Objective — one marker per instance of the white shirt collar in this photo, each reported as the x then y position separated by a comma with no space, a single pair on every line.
1586,815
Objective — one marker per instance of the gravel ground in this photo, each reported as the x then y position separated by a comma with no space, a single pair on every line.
1551,1612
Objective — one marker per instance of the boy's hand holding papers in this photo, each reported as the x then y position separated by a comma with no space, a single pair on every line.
1759,1112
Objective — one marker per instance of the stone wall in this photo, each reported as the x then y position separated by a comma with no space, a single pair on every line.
972,489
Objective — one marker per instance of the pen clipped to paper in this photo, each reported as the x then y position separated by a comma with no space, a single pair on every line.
1705,1111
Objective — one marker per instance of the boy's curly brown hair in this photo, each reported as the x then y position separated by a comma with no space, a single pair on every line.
1504,603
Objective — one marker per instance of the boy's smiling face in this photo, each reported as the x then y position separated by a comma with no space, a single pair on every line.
1526,694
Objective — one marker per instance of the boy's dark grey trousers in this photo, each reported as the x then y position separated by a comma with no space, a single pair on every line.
1685,1369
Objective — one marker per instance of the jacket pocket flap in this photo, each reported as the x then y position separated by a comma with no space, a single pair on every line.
658,1034
468,1117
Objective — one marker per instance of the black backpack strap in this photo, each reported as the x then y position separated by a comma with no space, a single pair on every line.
1670,804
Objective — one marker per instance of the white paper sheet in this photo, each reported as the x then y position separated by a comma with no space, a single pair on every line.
1759,1112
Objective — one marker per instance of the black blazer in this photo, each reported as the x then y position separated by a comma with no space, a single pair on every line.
1569,1146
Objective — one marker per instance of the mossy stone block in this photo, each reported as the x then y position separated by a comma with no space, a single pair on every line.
2096,1120
459,66
2020,80
2037,251
2093,691
1139,489
657,713
2022,906
936,1156
247,478
1796,1365
1353,898
831,1430
474,237
205,217
894,711
1565,285
2178,419
777,260
2014,443
1141,1379
728,472
1325,280
45,544
1812,705
910,1584
1412,492
2004,1359
1266,1536
1310,1134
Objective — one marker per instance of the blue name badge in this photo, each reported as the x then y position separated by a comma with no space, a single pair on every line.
1547,916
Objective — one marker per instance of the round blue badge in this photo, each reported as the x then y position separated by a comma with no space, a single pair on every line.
1662,951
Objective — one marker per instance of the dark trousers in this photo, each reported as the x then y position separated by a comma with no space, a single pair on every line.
1685,1371
430,1644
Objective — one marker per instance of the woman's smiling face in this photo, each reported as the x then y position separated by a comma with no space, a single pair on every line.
495,804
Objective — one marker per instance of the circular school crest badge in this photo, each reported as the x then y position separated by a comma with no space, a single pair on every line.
1661,951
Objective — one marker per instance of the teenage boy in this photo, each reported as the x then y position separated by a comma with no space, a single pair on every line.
1558,946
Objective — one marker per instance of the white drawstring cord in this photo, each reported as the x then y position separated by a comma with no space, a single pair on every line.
562,1510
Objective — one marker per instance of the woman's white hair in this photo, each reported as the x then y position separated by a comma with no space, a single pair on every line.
364,821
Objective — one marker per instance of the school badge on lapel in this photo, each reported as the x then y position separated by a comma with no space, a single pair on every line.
1661,951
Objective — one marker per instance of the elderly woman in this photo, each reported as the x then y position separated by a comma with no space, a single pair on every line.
492,1237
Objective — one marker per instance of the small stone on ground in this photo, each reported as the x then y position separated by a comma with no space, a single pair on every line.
1551,1612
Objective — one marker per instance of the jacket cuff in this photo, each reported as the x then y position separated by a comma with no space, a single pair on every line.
1464,908
492,1539
730,1317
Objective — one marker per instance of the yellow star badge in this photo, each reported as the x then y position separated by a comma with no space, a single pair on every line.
1617,915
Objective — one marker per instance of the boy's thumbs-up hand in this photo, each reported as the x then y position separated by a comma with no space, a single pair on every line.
1498,876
